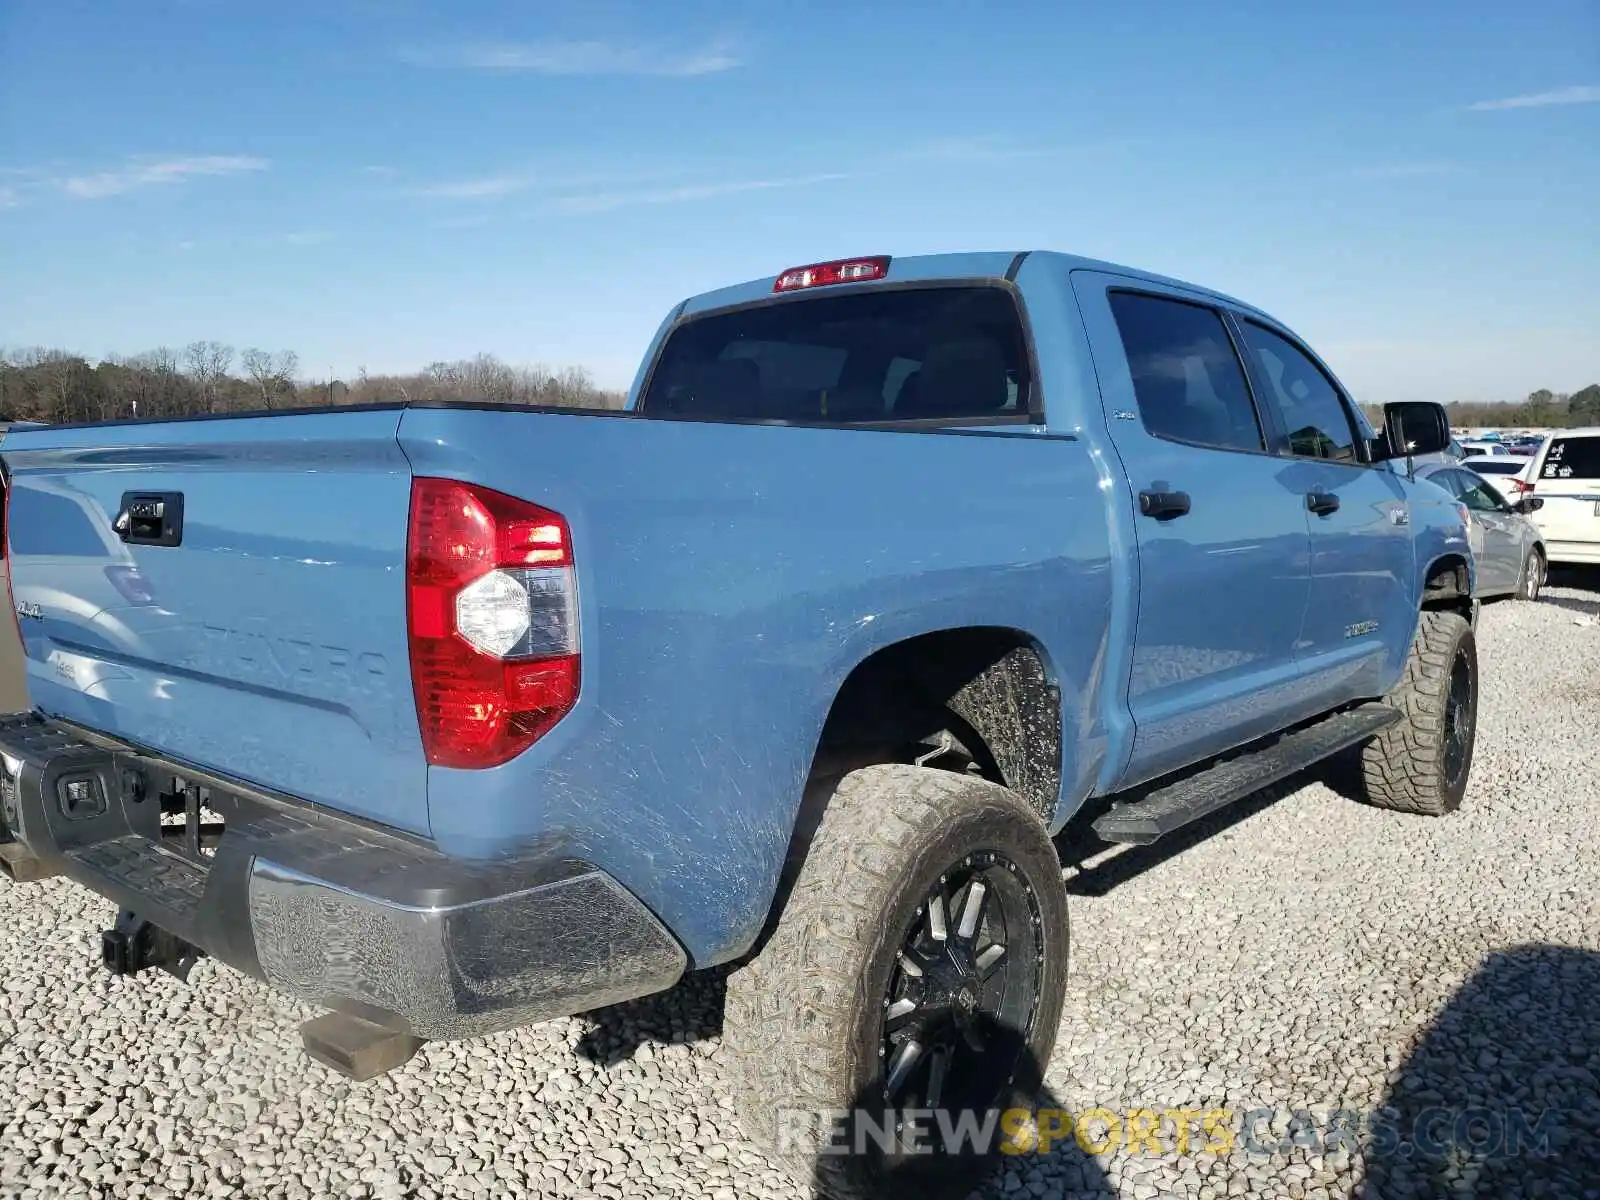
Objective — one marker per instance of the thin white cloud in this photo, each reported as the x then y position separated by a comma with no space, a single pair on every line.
486,187
600,202
138,173
519,179
1580,94
578,58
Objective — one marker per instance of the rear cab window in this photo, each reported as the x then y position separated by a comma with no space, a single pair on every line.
1572,458
953,353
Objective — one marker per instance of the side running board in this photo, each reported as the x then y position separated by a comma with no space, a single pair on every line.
1146,816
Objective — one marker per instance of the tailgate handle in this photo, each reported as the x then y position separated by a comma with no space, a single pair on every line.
150,518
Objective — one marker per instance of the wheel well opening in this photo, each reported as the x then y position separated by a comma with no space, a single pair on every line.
1448,586
978,700
970,699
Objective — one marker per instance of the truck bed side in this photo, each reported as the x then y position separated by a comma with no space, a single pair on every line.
730,576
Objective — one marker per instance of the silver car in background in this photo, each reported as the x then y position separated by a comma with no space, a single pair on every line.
1509,551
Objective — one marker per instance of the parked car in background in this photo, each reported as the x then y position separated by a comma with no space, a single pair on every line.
1473,448
1508,474
1508,547
1566,476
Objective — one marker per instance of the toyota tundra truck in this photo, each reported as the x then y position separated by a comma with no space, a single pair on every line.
448,718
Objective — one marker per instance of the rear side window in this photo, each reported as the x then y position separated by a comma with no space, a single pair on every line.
1572,458
1187,379
1316,418
954,353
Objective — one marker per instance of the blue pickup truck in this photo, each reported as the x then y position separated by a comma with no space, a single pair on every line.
449,718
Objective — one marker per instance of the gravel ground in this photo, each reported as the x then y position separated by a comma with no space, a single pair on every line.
1307,953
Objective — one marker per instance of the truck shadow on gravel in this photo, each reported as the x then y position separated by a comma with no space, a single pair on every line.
690,1012
1015,1164
1500,1095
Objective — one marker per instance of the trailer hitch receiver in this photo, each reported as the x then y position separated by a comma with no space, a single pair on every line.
134,944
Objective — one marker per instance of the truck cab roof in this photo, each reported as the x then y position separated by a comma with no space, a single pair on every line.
980,264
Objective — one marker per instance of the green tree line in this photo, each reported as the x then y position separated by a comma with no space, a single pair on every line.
1542,409
38,384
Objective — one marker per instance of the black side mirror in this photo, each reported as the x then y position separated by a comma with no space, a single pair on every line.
1412,428
1528,504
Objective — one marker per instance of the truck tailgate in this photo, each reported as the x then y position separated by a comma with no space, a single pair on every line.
268,644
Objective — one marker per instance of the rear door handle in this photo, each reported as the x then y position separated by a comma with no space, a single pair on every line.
1322,503
1163,506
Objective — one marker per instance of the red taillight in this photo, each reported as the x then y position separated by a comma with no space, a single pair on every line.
492,607
1519,487
843,270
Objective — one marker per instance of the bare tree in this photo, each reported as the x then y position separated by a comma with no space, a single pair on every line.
208,364
272,372
37,383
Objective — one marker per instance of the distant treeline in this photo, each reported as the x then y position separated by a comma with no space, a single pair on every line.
207,377
1542,409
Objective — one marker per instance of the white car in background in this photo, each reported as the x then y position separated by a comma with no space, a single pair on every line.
1474,449
1509,475
1566,476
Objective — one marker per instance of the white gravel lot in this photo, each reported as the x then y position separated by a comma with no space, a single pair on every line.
1308,954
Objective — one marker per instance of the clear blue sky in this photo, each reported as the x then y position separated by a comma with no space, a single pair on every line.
1414,186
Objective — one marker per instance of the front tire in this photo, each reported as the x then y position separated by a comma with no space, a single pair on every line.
1421,764
920,963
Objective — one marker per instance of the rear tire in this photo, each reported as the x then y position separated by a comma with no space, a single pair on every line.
1422,763
875,950
1532,580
